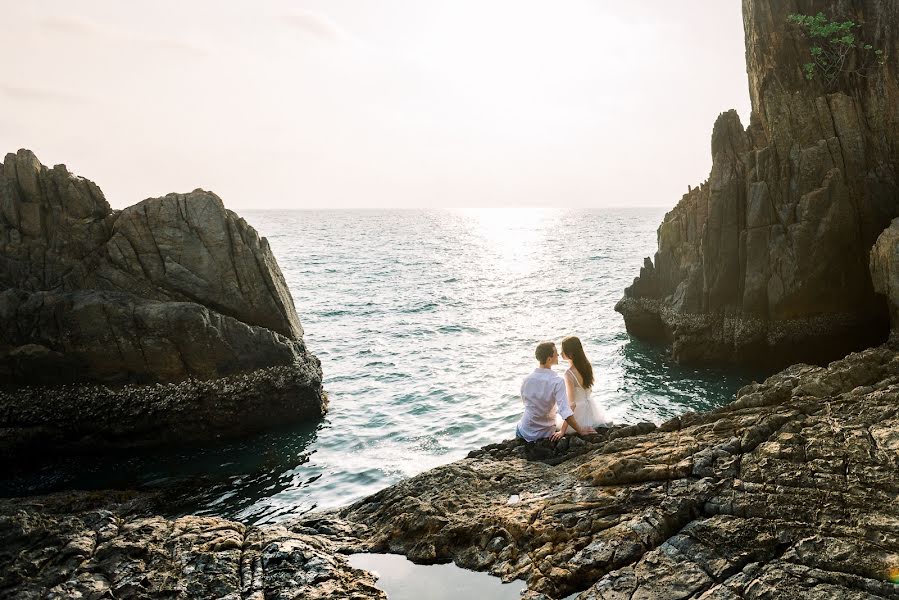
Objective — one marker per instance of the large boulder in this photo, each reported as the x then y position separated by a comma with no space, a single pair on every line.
173,290
114,337
767,261
189,247
58,231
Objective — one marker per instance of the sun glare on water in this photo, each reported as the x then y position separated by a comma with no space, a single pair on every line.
510,236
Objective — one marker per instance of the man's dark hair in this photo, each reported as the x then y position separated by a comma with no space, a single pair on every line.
544,351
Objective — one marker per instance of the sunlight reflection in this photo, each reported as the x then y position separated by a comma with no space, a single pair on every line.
511,235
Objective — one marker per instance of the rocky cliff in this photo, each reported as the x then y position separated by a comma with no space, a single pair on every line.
767,260
166,321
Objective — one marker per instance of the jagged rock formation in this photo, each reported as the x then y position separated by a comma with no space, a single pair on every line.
110,546
767,261
174,290
790,491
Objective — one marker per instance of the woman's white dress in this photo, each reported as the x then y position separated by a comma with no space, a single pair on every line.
586,410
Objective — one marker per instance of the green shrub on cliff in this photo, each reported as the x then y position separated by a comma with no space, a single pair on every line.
835,48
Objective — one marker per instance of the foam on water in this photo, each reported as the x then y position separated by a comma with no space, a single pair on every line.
425,323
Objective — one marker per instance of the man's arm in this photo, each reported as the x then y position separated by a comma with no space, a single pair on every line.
569,393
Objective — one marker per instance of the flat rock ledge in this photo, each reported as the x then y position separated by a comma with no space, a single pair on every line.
791,491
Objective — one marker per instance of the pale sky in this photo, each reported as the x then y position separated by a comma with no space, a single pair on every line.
374,103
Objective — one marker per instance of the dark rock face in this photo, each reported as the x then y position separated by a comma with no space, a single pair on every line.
116,337
40,421
767,261
111,546
173,290
789,491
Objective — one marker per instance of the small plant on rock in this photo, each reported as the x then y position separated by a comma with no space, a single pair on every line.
835,49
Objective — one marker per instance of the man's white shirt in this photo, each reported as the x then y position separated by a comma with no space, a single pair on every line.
543,395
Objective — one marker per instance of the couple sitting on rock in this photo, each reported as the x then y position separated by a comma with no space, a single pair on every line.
551,401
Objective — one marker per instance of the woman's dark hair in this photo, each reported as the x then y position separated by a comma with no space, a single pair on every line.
544,351
571,347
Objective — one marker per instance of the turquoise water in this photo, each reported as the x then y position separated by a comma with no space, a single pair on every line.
425,323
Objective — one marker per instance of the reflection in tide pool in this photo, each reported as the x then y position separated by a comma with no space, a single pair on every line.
425,323
404,580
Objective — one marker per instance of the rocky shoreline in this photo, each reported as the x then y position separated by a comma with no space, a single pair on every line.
791,488
788,491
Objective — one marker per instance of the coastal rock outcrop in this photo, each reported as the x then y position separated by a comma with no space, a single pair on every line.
789,491
767,261
174,291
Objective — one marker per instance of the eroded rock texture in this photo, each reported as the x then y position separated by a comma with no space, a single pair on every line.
174,290
767,261
107,546
885,269
790,491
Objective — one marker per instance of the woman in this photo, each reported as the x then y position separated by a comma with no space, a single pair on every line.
578,385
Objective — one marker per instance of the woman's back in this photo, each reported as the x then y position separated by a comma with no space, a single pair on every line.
586,411
580,394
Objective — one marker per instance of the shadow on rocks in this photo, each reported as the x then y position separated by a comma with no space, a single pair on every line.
552,453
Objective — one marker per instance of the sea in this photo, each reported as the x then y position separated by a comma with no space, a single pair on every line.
425,322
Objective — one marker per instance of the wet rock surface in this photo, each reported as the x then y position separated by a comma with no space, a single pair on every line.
110,545
91,419
789,491
99,306
767,260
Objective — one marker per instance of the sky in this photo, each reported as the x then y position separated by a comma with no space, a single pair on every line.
371,104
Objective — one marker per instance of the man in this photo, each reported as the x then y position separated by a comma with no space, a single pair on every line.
543,393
